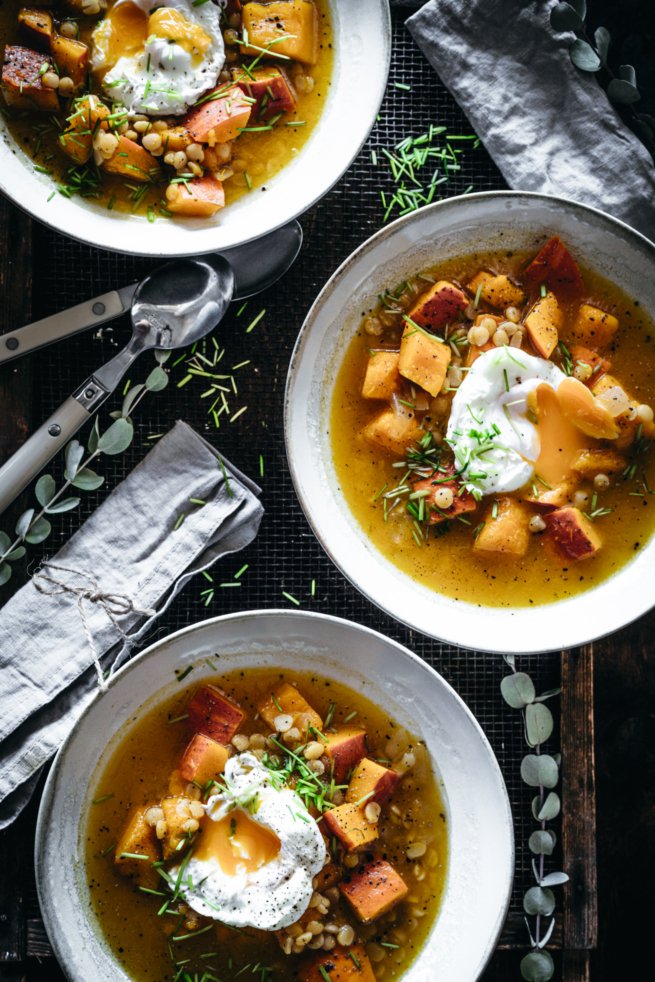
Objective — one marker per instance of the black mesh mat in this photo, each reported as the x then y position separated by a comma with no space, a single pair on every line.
285,556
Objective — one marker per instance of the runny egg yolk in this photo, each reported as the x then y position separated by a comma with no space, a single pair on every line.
237,842
171,25
560,439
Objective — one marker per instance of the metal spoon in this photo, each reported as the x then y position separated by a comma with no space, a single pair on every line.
256,266
176,305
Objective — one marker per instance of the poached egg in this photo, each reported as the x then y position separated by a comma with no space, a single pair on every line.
494,429
257,852
158,57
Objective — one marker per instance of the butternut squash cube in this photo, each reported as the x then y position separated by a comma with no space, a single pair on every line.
381,379
548,499
497,290
544,322
212,713
508,532
585,356
424,359
372,890
88,115
345,748
221,117
71,58
628,424
22,80
441,305
393,431
602,460
593,327
37,27
201,197
285,27
555,266
573,534
177,813
138,839
371,781
133,161
339,965
350,825
203,759
287,701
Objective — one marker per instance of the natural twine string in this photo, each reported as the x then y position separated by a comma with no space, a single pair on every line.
114,604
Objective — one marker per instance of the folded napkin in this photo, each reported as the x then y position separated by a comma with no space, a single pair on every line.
548,126
86,608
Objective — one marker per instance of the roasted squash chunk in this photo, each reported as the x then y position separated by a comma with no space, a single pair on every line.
270,88
593,327
424,359
555,266
89,114
600,460
345,748
505,528
381,379
373,889
22,80
131,160
37,28
544,322
574,536
463,501
221,117
350,825
497,290
441,305
393,431
287,701
71,58
203,759
286,27
201,197
137,848
371,781
212,713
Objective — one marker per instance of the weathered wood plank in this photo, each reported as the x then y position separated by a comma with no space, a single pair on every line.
580,915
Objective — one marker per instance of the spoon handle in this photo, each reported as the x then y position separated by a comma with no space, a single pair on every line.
30,459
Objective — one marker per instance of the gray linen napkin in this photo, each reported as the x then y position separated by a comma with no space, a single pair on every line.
130,549
548,126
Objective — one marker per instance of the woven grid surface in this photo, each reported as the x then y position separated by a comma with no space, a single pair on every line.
285,556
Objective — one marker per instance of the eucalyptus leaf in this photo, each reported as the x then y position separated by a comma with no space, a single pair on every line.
580,7
117,438
45,489
88,480
584,57
628,73
537,966
542,842
527,927
510,659
547,935
74,454
539,770
5,573
94,436
39,531
130,398
23,522
539,900
558,759
554,880
5,542
15,554
538,724
548,810
602,38
116,414
564,17
517,690
65,504
647,123
622,93
548,694
162,356
157,380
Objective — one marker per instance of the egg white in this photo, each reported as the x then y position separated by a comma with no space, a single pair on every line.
278,893
162,79
488,430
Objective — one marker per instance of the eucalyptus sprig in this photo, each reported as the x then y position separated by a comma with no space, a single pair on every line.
34,525
589,54
541,771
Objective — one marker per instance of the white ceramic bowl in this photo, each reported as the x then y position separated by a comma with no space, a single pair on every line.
362,44
481,857
507,220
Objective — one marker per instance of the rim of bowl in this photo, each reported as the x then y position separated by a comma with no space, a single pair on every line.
76,211
629,613
52,782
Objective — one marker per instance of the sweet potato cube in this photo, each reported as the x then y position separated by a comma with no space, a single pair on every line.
374,889
555,496
71,58
221,117
572,533
497,290
287,701
544,322
371,781
350,825
286,27
203,759
138,838
463,502
22,80
393,431
200,197
133,161
36,27
441,305
508,531
555,266
270,88
176,815
424,359
600,460
345,748
176,138
339,965
594,327
585,356
88,114
381,379
212,713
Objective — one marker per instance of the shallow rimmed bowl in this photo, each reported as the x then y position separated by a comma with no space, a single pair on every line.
362,46
456,227
481,844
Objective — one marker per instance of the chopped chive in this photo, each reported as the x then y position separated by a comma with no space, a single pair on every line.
403,85
291,598
103,797
241,571
178,719
133,855
253,324
182,675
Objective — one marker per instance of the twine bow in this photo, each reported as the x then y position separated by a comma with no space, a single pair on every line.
115,605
